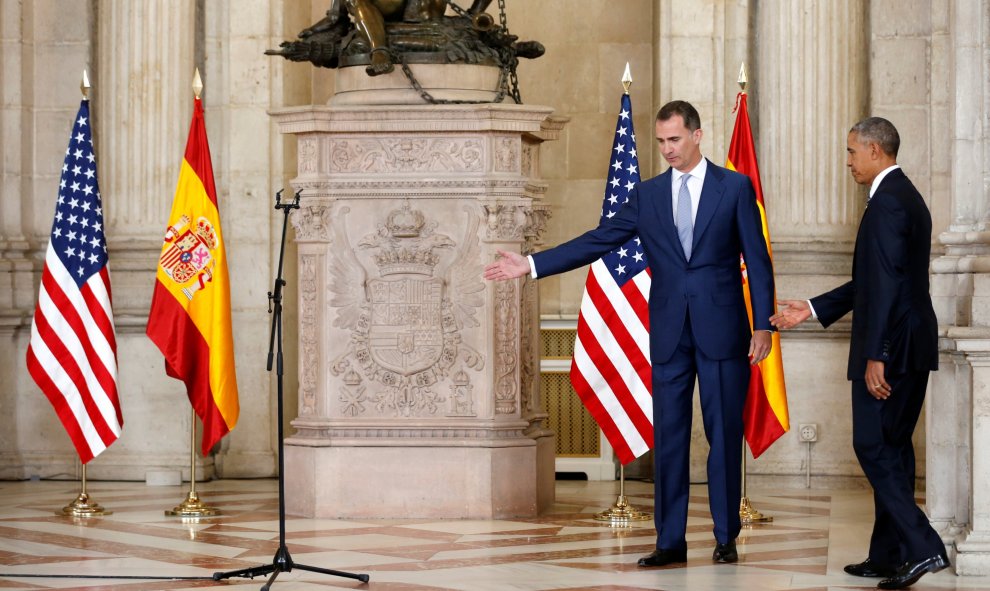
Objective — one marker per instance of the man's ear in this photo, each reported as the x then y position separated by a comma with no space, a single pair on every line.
875,151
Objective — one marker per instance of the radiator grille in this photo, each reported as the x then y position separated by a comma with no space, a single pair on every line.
557,343
577,432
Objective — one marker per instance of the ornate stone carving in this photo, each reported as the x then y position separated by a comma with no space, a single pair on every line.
527,348
506,338
506,155
536,223
528,164
505,222
406,155
307,155
312,224
352,396
461,396
308,331
405,322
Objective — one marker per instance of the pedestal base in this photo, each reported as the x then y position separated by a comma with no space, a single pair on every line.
970,555
412,482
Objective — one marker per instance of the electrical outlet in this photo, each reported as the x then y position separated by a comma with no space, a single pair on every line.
808,432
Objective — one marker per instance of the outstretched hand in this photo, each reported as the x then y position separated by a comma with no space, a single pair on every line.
790,313
508,265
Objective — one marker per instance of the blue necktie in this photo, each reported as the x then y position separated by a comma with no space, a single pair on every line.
685,225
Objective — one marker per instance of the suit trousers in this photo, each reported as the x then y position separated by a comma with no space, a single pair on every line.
882,432
722,385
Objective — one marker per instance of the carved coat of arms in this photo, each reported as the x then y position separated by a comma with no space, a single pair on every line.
190,253
405,324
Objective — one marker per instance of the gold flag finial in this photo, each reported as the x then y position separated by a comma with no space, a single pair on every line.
626,79
84,85
742,76
197,84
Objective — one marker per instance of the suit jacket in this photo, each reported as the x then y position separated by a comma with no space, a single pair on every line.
708,289
893,318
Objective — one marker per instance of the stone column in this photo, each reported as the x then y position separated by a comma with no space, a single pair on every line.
412,369
144,101
810,53
972,543
45,47
142,105
961,293
810,85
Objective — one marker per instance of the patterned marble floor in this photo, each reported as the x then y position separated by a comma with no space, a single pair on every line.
813,535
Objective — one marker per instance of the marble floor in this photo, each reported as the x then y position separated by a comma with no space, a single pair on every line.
814,533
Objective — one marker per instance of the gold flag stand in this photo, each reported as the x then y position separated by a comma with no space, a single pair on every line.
621,512
748,515
83,506
192,506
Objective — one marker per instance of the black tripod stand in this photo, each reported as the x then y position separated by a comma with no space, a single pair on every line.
282,562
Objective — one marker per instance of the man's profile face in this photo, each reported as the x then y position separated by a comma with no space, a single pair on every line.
861,160
680,146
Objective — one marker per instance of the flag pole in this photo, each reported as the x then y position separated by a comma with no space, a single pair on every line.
83,506
621,513
193,506
747,513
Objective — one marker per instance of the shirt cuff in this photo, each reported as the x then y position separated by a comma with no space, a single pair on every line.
532,266
812,308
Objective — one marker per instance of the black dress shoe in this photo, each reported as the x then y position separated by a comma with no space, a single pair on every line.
725,553
661,557
910,572
868,568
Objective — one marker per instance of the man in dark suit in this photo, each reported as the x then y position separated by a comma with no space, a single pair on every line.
894,345
693,220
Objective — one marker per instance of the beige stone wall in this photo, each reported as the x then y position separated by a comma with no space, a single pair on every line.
815,67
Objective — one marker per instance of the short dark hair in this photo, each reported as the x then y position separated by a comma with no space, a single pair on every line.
879,131
683,108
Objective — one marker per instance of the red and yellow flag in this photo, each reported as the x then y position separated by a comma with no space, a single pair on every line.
765,415
190,309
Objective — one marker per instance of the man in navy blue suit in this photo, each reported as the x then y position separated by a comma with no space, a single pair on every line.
694,221
893,347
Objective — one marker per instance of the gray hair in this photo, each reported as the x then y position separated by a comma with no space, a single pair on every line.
879,131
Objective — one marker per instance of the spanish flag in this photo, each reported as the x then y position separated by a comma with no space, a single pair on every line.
765,414
190,309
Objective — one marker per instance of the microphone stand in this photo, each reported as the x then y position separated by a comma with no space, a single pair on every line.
282,562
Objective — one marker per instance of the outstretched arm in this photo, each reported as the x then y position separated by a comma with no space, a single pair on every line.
790,313
509,265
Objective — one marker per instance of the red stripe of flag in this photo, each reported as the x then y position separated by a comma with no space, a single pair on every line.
620,334
618,386
71,370
594,407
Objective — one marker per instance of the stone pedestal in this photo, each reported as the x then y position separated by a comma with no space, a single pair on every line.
417,391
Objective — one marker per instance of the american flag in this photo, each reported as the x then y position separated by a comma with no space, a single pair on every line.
611,366
73,351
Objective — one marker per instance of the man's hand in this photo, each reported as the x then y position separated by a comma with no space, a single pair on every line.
759,346
876,384
790,313
509,265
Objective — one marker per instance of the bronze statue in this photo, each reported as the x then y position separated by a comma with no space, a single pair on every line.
382,33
